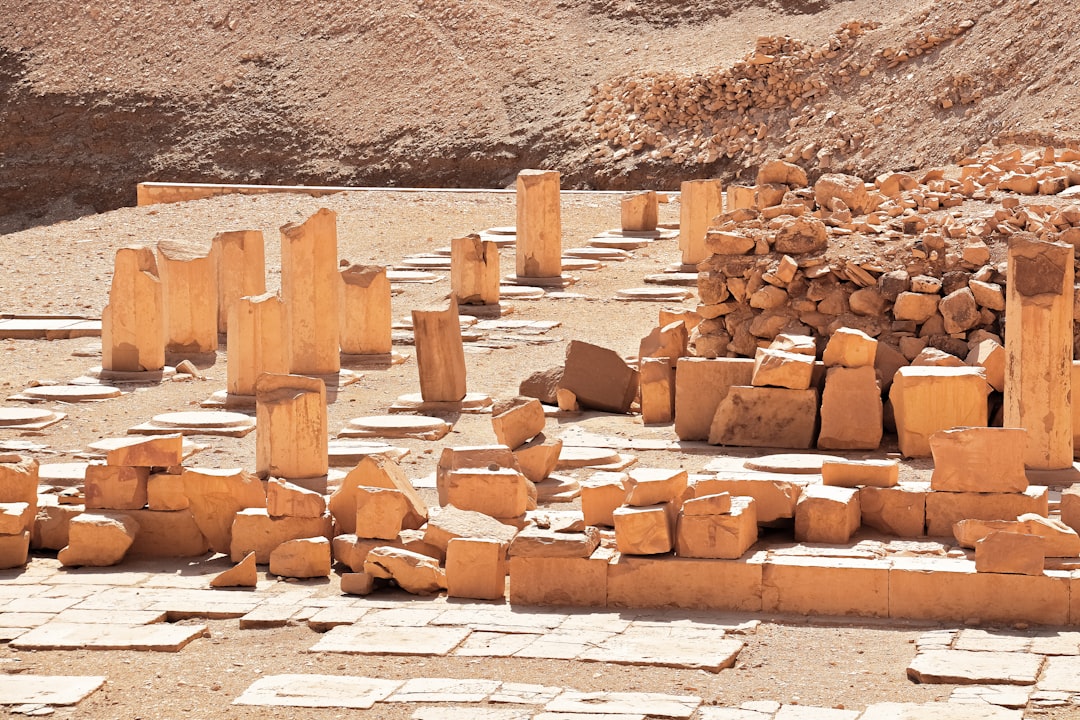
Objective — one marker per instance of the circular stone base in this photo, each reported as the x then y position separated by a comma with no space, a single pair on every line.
471,401
408,423
502,230
520,292
576,457
791,463
652,293
72,393
21,416
202,419
580,264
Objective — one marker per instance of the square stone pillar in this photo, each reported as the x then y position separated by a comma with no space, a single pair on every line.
240,258
700,201
255,342
474,270
133,323
639,211
539,224
310,287
440,355
1039,349
291,440
365,311
189,284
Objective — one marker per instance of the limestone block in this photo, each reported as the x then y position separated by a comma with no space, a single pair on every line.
98,539
500,493
471,456
657,391
357,583
800,235
1039,347
16,518
928,399
476,568
645,530
242,574
366,317
254,530
534,541
1013,553
413,572
440,355
605,491
826,586
990,356
851,409
474,271
850,348
638,211
19,484
516,420
766,417
451,522
651,486
826,514
380,472
599,377
168,534
542,385
539,224
700,201
240,260
987,294
352,551
165,492
775,368
945,509
216,497
14,550
538,457
800,344
887,361
1070,507
572,582
50,530
414,540
310,287
691,583
291,438
740,197
133,322
301,558
700,385
775,497
256,342
704,534
380,512
850,190
899,510
1061,540
917,307
979,459
858,473
109,487
283,499
959,311
666,341
785,173
158,451
190,292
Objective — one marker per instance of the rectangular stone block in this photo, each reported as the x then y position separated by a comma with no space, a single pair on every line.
599,377
516,420
899,510
979,459
766,417
253,530
776,368
380,512
1070,505
476,568
165,492
928,399
728,535
1009,552
471,456
500,493
700,385
646,530
657,391
945,509
605,491
775,496
860,473
650,486
108,487
851,409
167,535
850,348
826,514
14,550
640,582
826,586
545,542
572,582
160,451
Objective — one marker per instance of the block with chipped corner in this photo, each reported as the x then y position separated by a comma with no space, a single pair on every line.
728,534
1011,553
291,440
928,399
826,514
979,459
375,471
599,378
476,568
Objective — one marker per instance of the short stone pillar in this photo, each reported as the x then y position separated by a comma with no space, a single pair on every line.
240,258
365,311
291,439
474,271
189,284
440,355
133,323
741,197
640,211
700,201
310,287
255,342
539,224
1039,349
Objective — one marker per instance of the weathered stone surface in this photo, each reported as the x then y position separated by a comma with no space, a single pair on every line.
375,471
601,494
938,711
301,558
285,499
317,691
945,509
599,378
166,492
801,235
413,572
979,459
858,473
975,668
501,493
775,368
928,399
98,538
645,530
516,420
851,409
1010,552
253,530
989,355
159,451
716,535
542,385
766,417
540,542
476,568
216,496
827,514
850,348
291,434
849,189
451,522
171,534
108,487
161,637
649,486
538,458
243,574
380,513
47,690
700,385
959,311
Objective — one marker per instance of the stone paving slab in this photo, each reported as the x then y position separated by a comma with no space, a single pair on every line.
490,644
975,668
671,647
161,637
327,618
47,689
723,713
1006,696
563,646
470,713
620,703
1066,642
1061,674
524,694
363,640
111,617
587,716
990,640
25,619
938,711
317,691
444,690
805,712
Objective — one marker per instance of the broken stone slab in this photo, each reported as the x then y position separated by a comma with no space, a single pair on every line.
766,417
215,496
826,514
360,693
284,499
361,639
599,377
1061,674
704,533
223,424
253,530
419,427
622,703
473,403
162,451
928,399
476,568
938,711
538,542
538,458
47,689
517,420
500,493
301,558
67,393
413,572
159,637
243,574
379,472
650,486
444,690
1061,540
966,667
861,473
1011,553
28,419
98,539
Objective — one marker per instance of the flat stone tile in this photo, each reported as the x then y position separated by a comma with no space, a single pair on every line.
119,598
7,634
444,690
938,711
286,598
268,616
470,713
1061,674
807,712
111,617
327,618
403,617
1007,696
587,716
563,646
499,619
364,640
317,691
25,619
524,694
936,640
965,667
608,622
728,713
618,703
47,689
1066,642
991,641
489,644
676,648
95,576
162,637
18,591
209,604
